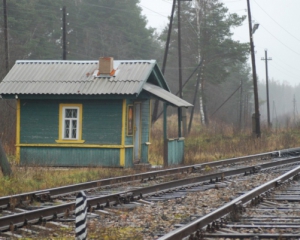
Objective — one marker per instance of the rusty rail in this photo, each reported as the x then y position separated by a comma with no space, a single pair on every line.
7,201
21,219
227,208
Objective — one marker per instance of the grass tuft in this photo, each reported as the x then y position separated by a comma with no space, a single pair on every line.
203,144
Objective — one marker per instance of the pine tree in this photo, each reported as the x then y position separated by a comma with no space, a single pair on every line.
207,34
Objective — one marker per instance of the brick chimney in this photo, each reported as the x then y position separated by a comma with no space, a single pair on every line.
106,65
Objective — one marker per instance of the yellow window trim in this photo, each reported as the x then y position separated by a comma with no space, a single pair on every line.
60,120
127,120
70,141
72,145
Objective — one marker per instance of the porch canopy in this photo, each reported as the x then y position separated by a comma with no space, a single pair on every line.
166,96
173,148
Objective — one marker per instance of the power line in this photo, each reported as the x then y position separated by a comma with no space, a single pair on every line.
281,41
284,70
153,11
225,100
231,1
276,22
291,67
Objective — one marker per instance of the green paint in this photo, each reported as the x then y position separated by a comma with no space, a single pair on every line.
128,157
101,124
102,121
70,156
145,110
128,140
39,121
175,152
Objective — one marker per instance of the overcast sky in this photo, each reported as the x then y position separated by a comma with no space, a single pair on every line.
278,33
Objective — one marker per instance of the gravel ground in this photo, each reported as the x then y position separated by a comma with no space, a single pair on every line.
150,220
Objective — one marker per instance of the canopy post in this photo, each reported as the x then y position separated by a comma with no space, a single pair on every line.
165,136
179,121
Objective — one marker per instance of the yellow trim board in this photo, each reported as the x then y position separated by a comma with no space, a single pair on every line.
122,150
73,145
70,141
18,130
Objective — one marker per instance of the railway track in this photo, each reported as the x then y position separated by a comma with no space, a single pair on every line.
43,195
18,212
269,211
275,214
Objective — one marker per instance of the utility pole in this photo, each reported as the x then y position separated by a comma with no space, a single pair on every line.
274,114
64,34
266,59
241,105
256,106
294,103
168,38
179,51
155,110
181,112
246,111
5,36
4,164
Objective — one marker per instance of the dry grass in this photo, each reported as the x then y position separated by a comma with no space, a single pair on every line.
202,145
25,179
219,141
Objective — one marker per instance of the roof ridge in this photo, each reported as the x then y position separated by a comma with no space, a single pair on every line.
43,81
82,61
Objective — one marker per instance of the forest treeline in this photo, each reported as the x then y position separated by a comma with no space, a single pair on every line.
283,103
117,28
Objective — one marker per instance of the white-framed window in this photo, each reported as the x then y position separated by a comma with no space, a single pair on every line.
70,122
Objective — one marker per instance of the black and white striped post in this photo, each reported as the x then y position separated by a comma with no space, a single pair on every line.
81,215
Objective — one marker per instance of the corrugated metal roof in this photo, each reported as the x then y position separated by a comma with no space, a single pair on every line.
75,77
165,95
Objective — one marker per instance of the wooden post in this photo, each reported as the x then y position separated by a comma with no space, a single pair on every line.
255,88
179,121
5,167
5,36
155,115
165,136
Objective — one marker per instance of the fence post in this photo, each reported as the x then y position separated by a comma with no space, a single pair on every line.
5,166
81,215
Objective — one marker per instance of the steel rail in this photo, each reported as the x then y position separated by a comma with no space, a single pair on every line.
227,208
14,200
251,235
20,219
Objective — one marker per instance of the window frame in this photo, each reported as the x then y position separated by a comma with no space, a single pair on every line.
130,124
62,118
70,119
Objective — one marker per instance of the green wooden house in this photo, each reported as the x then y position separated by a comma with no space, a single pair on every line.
85,113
